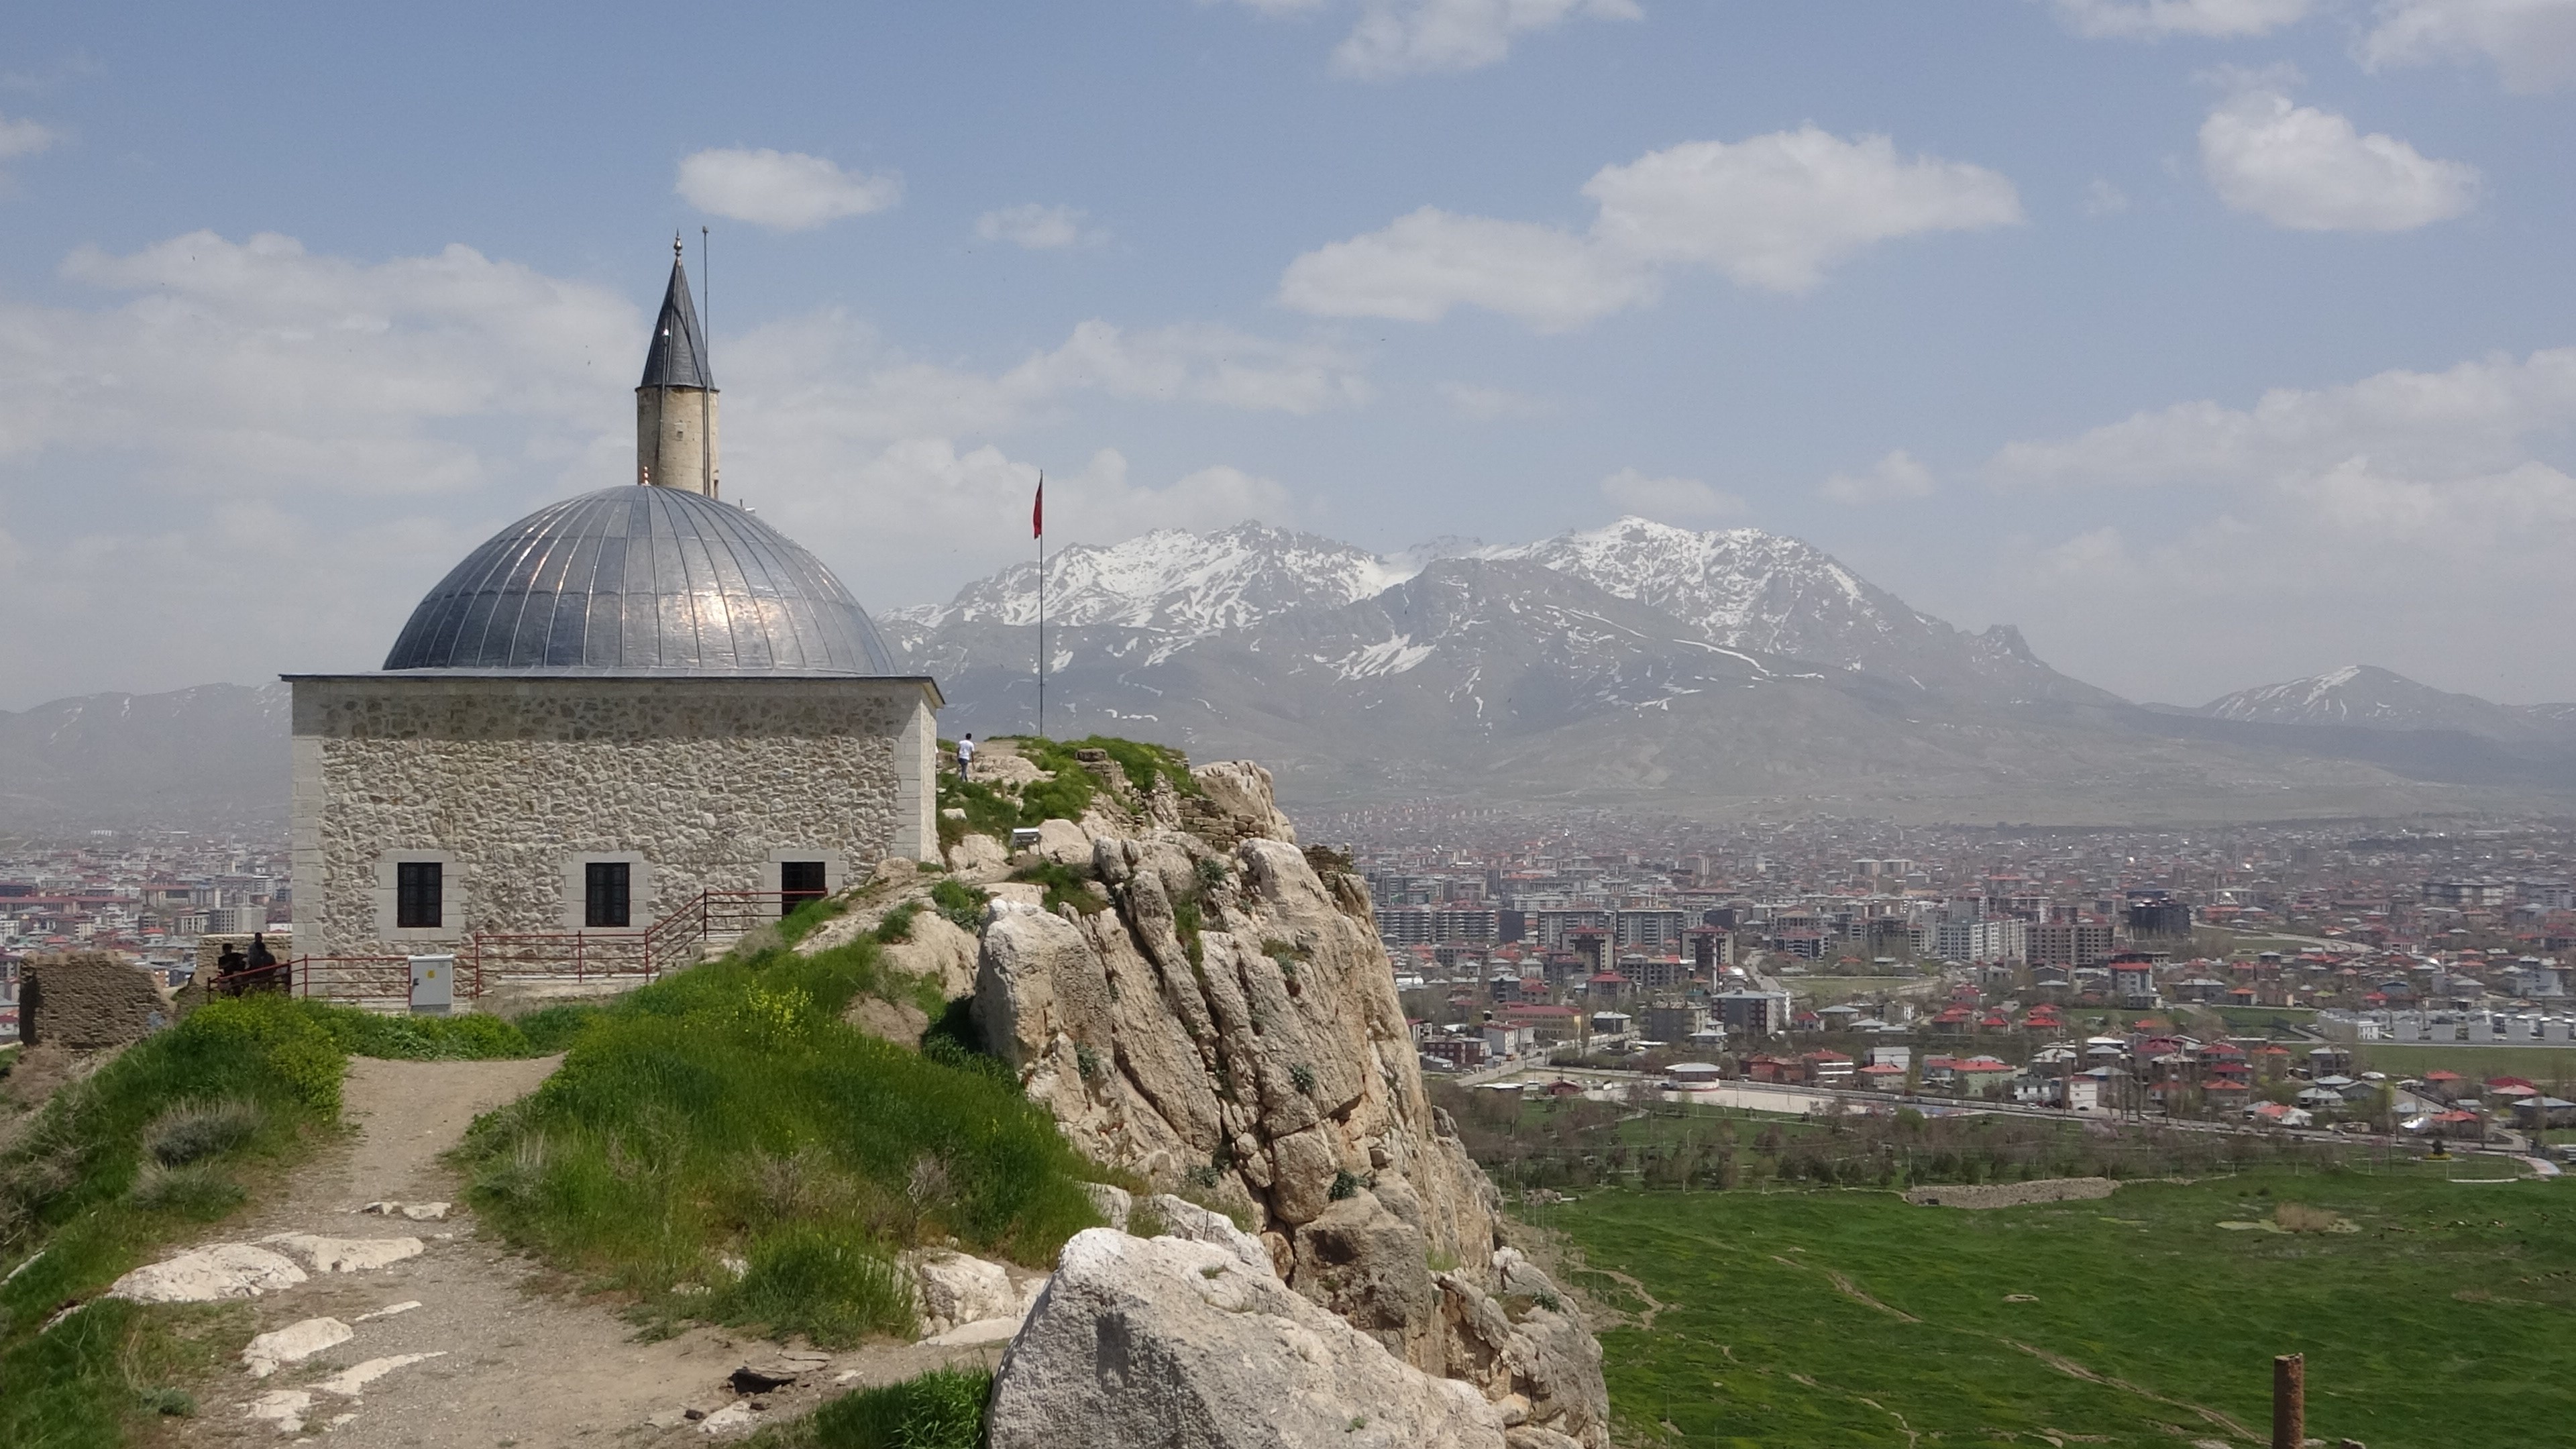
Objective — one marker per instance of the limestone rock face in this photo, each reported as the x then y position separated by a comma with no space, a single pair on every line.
1528,1351
1179,1345
1229,1029
1372,1267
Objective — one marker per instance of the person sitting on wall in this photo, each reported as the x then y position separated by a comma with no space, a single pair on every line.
262,970
229,965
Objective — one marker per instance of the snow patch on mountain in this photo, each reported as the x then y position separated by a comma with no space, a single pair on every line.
1175,582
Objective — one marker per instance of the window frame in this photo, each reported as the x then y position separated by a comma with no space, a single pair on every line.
607,890
408,903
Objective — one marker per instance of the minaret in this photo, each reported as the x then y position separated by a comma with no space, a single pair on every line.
675,406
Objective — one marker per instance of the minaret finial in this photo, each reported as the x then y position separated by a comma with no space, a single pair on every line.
675,246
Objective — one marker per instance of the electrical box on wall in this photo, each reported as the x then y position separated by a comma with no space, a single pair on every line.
433,985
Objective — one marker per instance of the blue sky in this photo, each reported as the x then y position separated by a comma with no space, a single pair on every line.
2211,341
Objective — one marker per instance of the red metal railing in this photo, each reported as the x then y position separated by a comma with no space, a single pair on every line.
675,942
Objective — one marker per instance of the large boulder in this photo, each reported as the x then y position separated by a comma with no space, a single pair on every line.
1178,1345
950,1289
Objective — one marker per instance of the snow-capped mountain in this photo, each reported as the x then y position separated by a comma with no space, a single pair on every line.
1186,585
2367,696
1738,588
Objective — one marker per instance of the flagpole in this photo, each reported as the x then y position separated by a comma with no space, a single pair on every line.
1040,529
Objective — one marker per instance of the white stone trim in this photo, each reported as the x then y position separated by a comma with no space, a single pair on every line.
451,897
835,869
916,763
640,911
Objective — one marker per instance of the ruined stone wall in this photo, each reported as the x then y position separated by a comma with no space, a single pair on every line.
87,999
511,781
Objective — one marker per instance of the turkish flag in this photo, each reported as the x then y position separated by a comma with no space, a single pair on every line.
1037,511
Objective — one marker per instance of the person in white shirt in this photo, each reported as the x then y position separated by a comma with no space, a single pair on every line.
966,756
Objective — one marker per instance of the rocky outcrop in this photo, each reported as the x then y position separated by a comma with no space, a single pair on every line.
1180,1344
1228,1029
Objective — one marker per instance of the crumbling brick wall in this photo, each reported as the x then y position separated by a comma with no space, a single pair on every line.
86,999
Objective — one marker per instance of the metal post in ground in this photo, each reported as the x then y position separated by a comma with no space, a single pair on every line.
2289,1401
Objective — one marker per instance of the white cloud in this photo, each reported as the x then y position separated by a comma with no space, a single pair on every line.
1667,500
25,138
275,452
2104,199
1774,211
2309,170
1492,404
1413,37
1893,478
2531,42
2474,419
2157,19
1040,228
1427,262
786,190
2402,519
1409,37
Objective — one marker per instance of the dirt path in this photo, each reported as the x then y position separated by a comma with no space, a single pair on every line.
507,1358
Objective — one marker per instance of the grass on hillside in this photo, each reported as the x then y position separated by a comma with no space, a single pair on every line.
2432,1313
995,811
942,1409
728,1112
142,1154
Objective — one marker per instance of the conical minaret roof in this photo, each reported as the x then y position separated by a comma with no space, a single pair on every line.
678,356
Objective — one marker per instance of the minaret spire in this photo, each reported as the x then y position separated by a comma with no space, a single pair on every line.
675,404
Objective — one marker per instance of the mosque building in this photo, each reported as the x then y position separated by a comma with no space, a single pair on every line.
625,703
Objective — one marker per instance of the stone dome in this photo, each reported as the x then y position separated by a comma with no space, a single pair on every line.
639,580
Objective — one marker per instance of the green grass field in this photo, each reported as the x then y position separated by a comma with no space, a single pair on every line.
2543,1065
2442,1316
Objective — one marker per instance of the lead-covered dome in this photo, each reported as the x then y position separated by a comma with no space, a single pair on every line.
641,580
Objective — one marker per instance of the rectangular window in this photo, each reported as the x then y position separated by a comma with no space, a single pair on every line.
420,895
604,895
799,881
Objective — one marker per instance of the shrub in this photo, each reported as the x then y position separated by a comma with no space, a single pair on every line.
1065,886
896,926
942,1409
1186,923
1143,763
195,1130
988,811
1302,1077
961,903
197,1191
826,1285
1345,1184
800,922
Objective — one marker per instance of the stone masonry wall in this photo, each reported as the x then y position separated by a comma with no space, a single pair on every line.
708,780
87,999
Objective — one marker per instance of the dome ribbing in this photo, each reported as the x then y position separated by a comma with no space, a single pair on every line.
652,581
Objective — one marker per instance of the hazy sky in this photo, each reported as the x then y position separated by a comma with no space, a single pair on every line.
2213,342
